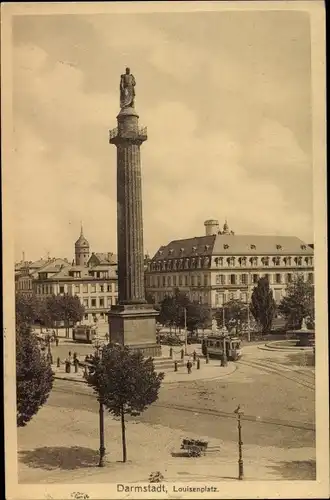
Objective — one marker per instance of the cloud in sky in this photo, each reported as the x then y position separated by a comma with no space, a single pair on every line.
225,96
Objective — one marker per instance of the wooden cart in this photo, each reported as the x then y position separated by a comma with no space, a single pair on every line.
194,447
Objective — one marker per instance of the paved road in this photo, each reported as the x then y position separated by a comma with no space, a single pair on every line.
192,399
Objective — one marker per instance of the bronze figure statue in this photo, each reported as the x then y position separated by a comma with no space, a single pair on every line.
127,90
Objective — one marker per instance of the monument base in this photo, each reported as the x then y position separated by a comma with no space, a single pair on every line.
134,325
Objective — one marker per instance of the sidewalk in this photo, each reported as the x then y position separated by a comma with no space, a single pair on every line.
209,371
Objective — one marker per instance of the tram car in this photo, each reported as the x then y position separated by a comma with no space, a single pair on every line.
213,346
83,333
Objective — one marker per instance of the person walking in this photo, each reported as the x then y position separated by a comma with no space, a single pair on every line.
189,366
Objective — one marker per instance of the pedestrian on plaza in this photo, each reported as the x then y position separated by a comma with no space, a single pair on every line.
189,366
56,340
76,363
67,366
75,357
194,355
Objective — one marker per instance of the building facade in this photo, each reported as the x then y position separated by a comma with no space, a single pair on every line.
27,271
92,278
221,265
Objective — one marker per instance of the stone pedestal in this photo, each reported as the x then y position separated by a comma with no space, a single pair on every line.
134,326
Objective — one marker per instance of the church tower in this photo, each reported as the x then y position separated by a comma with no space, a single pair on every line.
81,250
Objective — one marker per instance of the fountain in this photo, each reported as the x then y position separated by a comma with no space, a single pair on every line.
306,337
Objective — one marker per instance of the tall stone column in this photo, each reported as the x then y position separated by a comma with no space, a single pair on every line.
132,321
129,205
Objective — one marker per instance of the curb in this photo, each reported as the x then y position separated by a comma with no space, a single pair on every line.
235,367
70,379
284,349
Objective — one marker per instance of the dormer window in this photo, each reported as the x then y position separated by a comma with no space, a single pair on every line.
278,247
206,247
226,247
194,249
303,247
160,252
253,247
181,250
171,251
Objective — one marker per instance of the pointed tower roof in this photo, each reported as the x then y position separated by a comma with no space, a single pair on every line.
81,241
225,228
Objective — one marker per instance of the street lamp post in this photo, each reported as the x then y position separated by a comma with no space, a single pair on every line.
248,309
239,413
185,331
49,353
224,356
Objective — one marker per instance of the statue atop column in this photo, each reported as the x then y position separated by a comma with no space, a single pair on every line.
127,90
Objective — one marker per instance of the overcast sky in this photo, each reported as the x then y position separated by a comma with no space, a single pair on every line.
226,98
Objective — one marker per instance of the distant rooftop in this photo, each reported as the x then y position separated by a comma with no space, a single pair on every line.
232,244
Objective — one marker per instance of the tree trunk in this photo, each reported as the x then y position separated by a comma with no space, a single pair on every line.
123,434
101,421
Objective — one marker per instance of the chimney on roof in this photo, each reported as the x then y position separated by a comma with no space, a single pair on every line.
211,227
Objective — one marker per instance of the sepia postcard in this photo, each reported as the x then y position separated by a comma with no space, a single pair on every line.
165,250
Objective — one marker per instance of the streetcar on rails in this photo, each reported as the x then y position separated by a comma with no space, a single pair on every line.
213,345
84,334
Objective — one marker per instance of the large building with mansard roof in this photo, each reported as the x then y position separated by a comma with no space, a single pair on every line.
222,265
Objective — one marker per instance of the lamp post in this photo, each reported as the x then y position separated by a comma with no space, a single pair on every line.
224,356
185,331
239,414
49,353
248,309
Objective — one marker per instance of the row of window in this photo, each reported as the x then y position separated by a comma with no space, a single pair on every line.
223,298
99,302
24,285
94,274
92,317
195,297
75,289
254,261
265,261
236,279
220,279
180,280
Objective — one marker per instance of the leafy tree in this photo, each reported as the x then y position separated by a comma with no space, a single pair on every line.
27,309
298,303
124,382
233,314
168,312
198,316
69,309
34,376
174,308
263,305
